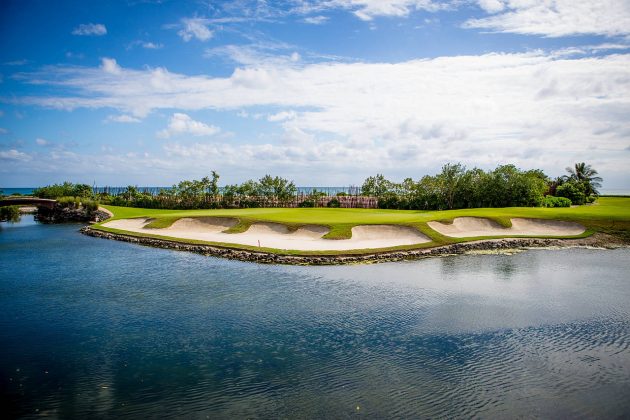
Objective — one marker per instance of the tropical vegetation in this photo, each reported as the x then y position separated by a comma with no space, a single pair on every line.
454,187
9,214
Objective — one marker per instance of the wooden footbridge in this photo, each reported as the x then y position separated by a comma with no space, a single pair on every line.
27,201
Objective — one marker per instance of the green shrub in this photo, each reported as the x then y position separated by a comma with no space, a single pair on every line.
68,202
573,190
551,201
66,189
90,205
334,203
307,203
10,214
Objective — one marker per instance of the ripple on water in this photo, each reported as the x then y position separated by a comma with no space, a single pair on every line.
155,333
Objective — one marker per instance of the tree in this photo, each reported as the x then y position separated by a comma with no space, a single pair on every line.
587,175
449,180
376,186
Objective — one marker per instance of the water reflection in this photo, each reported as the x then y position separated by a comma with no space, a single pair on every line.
95,328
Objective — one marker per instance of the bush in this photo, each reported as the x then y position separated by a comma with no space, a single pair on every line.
334,203
90,205
9,214
307,203
551,201
68,202
573,190
66,189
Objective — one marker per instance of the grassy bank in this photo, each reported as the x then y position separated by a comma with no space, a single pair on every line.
609,215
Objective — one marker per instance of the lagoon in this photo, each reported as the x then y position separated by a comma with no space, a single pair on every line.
97,328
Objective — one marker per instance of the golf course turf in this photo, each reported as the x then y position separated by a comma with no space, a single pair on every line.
609,215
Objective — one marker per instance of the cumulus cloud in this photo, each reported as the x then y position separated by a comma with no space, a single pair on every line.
555,18
42,142
90,29
16,155
491,6
183,124
195,28
532,108
109,65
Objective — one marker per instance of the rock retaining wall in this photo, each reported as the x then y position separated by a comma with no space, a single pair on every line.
269,258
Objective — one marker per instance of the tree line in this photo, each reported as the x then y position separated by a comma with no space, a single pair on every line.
454,187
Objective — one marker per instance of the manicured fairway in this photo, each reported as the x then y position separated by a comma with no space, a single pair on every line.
608,215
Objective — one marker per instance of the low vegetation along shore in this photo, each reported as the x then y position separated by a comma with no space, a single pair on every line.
603,223
268,220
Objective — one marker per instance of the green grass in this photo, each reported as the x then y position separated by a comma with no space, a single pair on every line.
609,215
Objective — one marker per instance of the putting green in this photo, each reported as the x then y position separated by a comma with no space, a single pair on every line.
608,215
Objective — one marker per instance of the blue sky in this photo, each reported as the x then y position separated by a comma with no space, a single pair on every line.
325,92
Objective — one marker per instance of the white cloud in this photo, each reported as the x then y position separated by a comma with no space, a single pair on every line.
369,9
147,45
183,124
256,54
555,18
123,118
491,6
151,45
90,29
109,65
195,28
534,109
316,20
13,154
282,116
42,142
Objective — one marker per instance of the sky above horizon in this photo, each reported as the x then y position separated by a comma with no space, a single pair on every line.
323,92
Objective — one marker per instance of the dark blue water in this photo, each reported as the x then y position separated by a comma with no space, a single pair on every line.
91,328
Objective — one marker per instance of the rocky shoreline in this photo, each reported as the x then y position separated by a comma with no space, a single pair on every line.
597,240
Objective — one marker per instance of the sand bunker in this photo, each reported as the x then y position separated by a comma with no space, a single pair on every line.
467,227
202,224
275,235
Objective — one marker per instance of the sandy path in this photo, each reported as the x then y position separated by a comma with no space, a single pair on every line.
274,235
466,227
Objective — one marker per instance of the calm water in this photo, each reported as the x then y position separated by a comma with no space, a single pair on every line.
96,328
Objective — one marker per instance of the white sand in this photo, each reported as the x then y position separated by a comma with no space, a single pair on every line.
466,227
275,235
103,209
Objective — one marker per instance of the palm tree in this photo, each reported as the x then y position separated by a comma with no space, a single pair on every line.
587,175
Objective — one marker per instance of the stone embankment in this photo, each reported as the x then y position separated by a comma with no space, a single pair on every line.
598,240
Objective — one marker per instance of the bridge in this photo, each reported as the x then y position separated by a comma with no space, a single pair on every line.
28,201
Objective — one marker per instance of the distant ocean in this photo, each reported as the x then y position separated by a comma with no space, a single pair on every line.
22,191
116,190
304,190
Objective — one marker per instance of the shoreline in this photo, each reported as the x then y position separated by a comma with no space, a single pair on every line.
597,240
